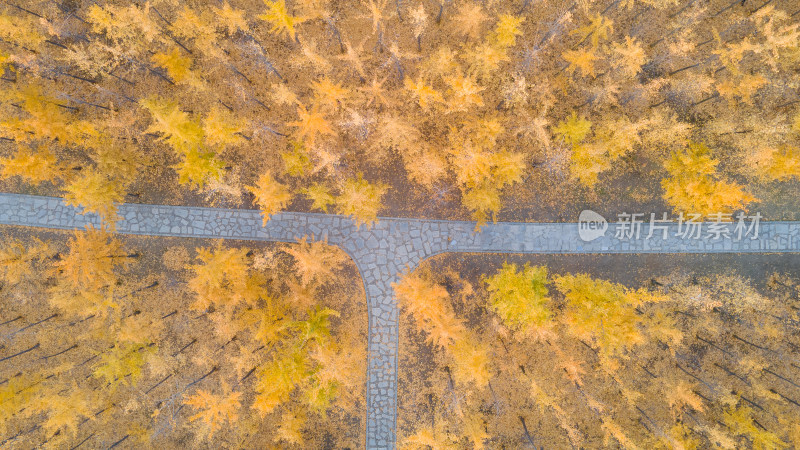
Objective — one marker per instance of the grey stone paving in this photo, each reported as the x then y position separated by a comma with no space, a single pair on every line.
390,247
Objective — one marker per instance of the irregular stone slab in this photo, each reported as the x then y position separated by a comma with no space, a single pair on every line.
392,246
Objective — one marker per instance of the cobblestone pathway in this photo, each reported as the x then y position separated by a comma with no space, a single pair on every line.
384,251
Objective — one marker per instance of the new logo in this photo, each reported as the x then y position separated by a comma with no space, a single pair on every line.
591,225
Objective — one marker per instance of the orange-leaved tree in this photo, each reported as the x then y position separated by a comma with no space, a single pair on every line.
88,274
222,277
428,303
18,260
271,195
214,410
776,163
316,261
95,192
361,200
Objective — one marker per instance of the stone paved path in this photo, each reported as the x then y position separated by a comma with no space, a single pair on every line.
387,249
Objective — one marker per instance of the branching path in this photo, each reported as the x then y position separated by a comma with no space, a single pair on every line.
382,253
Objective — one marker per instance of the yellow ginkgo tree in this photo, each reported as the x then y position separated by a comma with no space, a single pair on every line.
92,261
188,137
361,200
178,67
604,314
694,184
428,304
222,277
481,169
214,410
17,259
33,165
315,261
89,274
776,163
519,296
271,195
95,192
278,17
